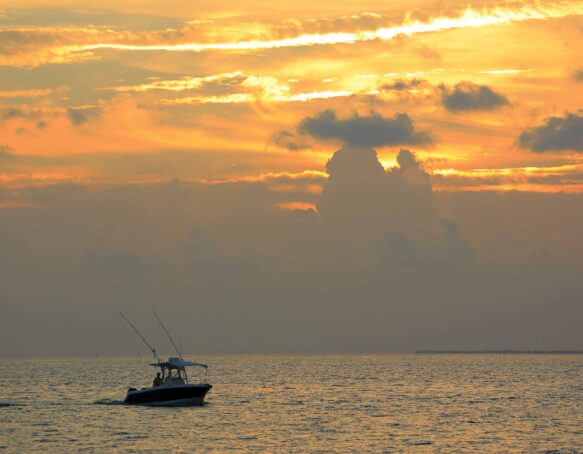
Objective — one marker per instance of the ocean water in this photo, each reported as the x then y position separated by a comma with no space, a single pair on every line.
388,403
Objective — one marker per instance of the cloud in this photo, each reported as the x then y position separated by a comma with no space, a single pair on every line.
76,116
286,276
356,189
409,177
6,152
391,210
188,83
578,75
8,113
360,193
554,178
229,88
63,16
34,93
556,134
14,41
365,131
404,84
80,116
27,116
307,215
342,35
291,141
29,47
467,96
444,247
55,44
307,286
352,23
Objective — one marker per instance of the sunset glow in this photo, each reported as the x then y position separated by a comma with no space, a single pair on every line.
84,88
353,177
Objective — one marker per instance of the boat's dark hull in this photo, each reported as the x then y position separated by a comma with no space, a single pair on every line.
169,396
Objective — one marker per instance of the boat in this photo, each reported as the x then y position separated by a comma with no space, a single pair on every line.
172,388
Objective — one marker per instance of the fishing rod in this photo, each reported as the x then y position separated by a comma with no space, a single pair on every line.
168,334
141,337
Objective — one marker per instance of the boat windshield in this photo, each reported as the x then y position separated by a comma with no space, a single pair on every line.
175,375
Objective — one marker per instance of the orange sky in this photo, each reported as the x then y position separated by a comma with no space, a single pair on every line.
331,176
199,93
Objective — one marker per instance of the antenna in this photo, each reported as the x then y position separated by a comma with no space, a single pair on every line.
141,337
168,334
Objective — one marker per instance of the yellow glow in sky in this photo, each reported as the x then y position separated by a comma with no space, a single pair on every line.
229,88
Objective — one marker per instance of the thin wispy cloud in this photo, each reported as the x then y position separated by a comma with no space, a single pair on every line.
184,83
469,19
535,179
505,71
26,93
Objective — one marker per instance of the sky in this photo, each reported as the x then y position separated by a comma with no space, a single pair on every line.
300,177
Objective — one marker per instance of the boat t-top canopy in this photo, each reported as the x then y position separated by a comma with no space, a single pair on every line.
177,363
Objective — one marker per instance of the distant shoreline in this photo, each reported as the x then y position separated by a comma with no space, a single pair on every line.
501,352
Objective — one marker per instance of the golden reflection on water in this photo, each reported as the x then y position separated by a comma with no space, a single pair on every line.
391,403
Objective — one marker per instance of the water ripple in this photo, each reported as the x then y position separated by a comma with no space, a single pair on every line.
385,403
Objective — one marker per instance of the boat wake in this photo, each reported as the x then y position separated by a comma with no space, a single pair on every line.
108,402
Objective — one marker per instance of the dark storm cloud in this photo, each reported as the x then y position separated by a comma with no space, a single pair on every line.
556,134
578,75
467,96
369,131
